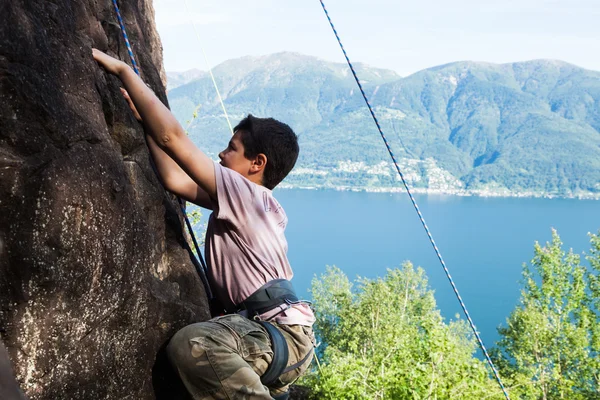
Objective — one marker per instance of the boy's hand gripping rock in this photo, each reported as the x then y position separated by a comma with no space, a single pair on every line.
110,64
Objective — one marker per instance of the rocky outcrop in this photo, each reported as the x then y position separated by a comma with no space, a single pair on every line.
94,278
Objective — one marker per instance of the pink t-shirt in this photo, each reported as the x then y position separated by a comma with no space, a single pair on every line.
246,245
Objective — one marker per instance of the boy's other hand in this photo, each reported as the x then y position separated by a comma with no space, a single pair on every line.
110,64
136,114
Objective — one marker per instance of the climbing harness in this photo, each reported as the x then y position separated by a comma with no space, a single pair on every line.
412,199
280,354
276,293
278,366
200,266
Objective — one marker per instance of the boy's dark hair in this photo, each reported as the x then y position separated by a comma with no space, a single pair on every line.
276,140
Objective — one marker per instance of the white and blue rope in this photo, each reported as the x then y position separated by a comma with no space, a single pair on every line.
129,50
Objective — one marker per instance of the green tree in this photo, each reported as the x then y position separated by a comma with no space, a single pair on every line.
385,339
594,279
547,351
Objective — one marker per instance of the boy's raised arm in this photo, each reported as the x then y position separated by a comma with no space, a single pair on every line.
175,180
162,127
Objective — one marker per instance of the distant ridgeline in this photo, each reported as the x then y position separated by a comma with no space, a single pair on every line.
529,128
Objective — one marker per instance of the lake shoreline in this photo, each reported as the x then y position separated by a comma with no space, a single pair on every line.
504,193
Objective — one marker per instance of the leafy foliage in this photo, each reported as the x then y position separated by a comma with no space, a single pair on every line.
386,340
550,348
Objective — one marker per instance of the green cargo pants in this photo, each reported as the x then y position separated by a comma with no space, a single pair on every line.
225,357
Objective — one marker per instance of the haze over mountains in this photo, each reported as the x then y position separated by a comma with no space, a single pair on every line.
523,128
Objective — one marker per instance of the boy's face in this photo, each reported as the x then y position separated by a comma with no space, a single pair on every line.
233,156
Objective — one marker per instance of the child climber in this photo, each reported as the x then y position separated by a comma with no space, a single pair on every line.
248,269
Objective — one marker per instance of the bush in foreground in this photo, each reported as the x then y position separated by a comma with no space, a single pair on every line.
385,339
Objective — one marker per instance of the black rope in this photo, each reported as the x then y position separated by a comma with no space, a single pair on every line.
201,269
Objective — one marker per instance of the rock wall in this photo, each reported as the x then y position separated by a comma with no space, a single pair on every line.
94,278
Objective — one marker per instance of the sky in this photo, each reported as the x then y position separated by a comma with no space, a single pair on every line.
404,36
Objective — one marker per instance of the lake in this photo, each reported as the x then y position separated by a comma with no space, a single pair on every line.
484,242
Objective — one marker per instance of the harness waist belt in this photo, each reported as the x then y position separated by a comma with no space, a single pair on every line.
268,297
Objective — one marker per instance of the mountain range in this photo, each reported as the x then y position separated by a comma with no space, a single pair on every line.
526,128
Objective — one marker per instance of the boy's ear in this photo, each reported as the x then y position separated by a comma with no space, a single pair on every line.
259,163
